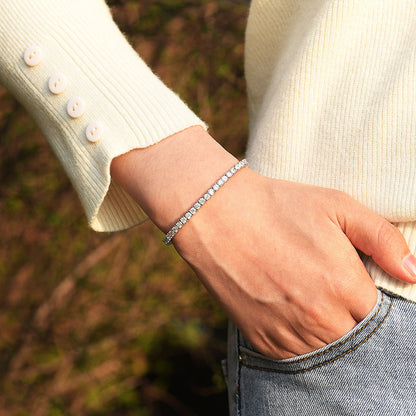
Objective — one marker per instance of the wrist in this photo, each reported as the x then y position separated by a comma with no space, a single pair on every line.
205,197
227,216
168,177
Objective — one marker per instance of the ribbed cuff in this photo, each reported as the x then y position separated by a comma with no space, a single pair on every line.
80,39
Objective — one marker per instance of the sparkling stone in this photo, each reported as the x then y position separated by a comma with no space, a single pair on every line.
224,178
207,196
202,201
179,225
188,215
215,187
233,170
229,174
220,182
211,191
183,220
192,210
197,205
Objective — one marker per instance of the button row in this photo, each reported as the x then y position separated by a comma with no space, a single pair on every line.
58,84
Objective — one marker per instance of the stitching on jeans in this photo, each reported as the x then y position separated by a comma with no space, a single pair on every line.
331,360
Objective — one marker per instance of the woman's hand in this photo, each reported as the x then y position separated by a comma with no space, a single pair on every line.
278,256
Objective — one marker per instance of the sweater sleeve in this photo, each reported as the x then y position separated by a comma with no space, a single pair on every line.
90,93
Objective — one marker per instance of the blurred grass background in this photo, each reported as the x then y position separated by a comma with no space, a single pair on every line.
115,324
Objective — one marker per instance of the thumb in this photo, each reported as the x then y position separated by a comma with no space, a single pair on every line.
378,238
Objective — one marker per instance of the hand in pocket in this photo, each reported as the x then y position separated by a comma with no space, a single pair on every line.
280,259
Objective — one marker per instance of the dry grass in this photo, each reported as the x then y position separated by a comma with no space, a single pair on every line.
114,324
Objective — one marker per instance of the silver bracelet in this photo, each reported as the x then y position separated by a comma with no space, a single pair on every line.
167,239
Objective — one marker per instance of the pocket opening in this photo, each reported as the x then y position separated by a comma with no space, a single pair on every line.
348,343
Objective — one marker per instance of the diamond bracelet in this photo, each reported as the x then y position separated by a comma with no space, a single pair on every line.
167,239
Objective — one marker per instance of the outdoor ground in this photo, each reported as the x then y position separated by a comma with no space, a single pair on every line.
115,324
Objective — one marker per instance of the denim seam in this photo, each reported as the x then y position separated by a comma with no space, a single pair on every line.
334,346
237,388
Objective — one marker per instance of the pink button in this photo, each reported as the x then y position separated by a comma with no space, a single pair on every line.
32,55
94,131
58,83
76,107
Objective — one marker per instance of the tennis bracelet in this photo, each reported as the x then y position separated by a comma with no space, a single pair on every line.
167,239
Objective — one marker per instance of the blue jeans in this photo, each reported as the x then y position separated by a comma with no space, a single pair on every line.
369,371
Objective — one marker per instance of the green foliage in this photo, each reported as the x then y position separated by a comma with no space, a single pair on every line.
96,324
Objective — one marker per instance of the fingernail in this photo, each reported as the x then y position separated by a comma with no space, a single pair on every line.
409,263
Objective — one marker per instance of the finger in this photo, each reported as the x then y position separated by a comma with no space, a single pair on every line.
379,239
298,342
320,324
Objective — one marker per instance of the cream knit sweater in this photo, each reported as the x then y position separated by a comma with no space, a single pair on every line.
331,86
78,38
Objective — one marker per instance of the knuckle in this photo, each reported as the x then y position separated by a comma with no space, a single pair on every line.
339,201
265,345
387,233
315,317
340,197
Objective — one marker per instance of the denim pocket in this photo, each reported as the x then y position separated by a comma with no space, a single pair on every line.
328,354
